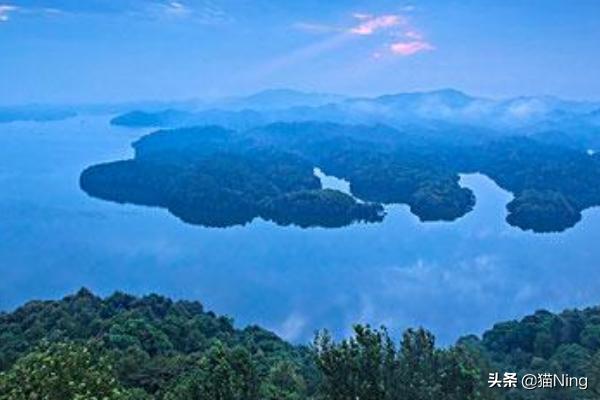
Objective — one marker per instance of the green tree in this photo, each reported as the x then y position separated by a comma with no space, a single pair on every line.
361,367
64,371
419,366
368,366
284,382
223,374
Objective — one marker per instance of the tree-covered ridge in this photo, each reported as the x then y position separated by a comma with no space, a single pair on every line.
544,336
145,344
371,366
217,177
568,342
152,348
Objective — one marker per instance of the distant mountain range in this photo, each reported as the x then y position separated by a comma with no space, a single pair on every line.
273,99
34,113
446,109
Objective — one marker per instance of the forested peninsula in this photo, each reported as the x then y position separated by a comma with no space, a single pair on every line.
218,177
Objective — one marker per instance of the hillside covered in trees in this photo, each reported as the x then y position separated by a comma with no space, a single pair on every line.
153,348
217,177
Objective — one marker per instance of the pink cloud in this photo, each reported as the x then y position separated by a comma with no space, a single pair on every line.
410,48
395,32
370,25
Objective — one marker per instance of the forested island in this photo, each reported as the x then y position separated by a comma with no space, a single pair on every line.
35,113
219,177
215,177
124,347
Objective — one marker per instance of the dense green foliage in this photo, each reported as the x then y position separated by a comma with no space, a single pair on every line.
213,177
565,343
551,184
327,208
152,348
63,371
530,209
216,177
370,366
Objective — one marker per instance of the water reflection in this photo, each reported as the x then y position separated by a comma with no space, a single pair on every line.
453,278
332,182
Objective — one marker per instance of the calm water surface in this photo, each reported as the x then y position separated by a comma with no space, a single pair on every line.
454,278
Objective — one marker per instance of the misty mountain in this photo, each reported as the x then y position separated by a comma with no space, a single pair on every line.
243,119
276,99
436,110
34,113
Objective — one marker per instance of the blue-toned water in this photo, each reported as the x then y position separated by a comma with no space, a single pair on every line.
454,278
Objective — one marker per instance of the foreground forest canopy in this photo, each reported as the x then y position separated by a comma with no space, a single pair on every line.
218,177
152,348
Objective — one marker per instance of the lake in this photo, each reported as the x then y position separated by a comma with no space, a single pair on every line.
453,278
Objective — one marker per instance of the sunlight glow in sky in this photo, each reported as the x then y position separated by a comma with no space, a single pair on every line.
110,51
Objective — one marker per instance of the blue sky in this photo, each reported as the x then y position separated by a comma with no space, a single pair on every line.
56,51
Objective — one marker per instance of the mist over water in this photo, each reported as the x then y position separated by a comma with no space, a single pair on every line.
454,278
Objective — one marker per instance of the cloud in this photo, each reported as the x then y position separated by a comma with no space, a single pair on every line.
368,24
375,30
362,16
209,13
410,48
293,327
5,11
315,28
412,34
409,40
371,24
176,9
406,39
205,12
